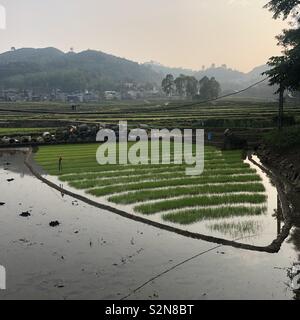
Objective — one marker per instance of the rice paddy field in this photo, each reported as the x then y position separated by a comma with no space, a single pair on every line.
157,113
229,199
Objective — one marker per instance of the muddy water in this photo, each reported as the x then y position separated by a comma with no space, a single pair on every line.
94,254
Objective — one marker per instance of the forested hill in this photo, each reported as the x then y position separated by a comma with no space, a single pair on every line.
51,68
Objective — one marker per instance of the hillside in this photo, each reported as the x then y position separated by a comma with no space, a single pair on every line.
49,68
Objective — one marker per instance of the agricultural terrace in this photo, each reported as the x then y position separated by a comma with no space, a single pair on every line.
158,114
227,188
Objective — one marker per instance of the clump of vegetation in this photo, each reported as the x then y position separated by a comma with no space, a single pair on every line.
284,139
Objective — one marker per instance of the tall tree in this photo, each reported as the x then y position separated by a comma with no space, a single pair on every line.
215,88
209,88
180,83
168,84
285,69
191,86
204,88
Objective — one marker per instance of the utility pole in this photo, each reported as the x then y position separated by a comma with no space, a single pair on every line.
280,109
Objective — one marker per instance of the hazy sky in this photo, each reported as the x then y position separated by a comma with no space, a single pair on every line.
187,33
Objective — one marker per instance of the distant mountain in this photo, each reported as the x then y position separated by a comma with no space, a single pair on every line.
50,68
163,70
230,80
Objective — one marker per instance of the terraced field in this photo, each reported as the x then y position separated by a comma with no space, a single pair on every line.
185,114
227,188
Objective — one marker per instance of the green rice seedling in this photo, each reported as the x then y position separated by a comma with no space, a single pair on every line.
192,216
90,183
172,183
141,196
70,166
159,183
167,205
137,172
236,229
90,158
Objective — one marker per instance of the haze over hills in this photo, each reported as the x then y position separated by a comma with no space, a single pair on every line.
49,68
230,79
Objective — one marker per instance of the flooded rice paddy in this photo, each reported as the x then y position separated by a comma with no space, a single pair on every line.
95,254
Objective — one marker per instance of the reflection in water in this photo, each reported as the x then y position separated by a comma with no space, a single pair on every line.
246,228
18,161
279,215
237,229
62,187
294,276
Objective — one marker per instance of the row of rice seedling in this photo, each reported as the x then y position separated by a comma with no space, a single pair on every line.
187,217
90,154
165,170
236,229
172,183
142,196
92,183
167,205
91,157
70,167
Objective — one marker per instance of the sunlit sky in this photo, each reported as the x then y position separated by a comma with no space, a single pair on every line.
179,33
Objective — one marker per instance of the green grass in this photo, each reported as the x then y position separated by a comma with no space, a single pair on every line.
285,139
151,208
191,216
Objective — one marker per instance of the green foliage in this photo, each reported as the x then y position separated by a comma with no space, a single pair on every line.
282,140
285,69
282,7
168,84
209,88
189,86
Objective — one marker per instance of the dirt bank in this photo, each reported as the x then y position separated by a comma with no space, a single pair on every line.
286,165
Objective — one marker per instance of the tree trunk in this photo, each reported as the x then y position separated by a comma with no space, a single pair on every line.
280,109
